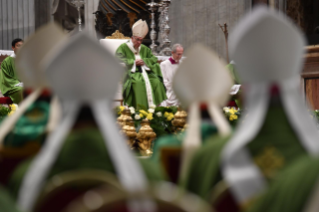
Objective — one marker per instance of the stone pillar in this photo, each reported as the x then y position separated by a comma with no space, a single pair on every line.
197,21
17,19
89,8
42,12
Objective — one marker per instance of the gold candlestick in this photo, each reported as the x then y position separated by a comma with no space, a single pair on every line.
145,137
130,132
180,119
125,115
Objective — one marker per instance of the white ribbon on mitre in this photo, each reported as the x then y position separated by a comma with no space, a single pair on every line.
210,83
140,29
273,54
27,67
68,74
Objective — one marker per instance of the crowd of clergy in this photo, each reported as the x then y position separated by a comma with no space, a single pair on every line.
62,150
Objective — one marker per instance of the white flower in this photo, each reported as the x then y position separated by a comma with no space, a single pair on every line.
153,106
137,117
159,114
132,110
226,109
14,107
151,110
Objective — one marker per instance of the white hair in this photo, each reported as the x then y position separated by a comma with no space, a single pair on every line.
175,46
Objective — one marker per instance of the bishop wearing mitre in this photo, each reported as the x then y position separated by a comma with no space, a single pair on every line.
143,83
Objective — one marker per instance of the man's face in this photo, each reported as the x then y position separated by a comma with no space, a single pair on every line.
178,54
137,41
17,47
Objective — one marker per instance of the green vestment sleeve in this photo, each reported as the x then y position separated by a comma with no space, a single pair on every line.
8,77
292,189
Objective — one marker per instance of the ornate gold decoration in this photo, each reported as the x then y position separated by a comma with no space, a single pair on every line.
145,137
109,19
179,121
270,161
117,35
125,115
132,17
130,132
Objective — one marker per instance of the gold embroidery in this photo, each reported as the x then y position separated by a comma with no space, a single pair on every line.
117,35
270,161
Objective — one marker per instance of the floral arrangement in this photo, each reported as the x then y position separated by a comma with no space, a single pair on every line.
7,111
160,117
232,114
4,111
14,108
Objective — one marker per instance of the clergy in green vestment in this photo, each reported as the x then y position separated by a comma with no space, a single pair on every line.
143,83
294,190
10,85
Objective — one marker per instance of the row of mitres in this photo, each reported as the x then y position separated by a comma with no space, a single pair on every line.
267,49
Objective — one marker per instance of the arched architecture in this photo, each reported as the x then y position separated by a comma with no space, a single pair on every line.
120,15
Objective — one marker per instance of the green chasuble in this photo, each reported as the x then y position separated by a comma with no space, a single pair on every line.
292,190
268,149
134,85
175,141
6,202
9,82
84,148
31,126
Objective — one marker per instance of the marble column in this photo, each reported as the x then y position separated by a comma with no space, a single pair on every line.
197,21
17,19
89,8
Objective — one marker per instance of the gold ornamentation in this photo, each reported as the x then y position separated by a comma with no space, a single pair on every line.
130,132
270,161
125,115
132,17
117,35
128,129
179,121
145,137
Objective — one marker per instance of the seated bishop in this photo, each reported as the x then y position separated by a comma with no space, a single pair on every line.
143,83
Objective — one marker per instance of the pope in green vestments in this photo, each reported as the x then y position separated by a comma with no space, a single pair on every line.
10,85
143,83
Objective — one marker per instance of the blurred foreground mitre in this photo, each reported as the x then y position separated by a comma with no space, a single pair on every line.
140,29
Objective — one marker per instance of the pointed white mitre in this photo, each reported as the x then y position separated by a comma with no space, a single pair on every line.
33,51
140,29
202,77
80,71
80,68
267,49
28,70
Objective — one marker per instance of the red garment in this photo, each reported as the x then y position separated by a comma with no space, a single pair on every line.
173,61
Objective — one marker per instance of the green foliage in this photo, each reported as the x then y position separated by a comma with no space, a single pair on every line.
4,111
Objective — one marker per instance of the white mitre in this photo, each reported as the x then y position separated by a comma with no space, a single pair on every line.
210,83
268,49
140,29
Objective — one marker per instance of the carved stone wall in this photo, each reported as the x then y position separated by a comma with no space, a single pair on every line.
17,19
197,21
